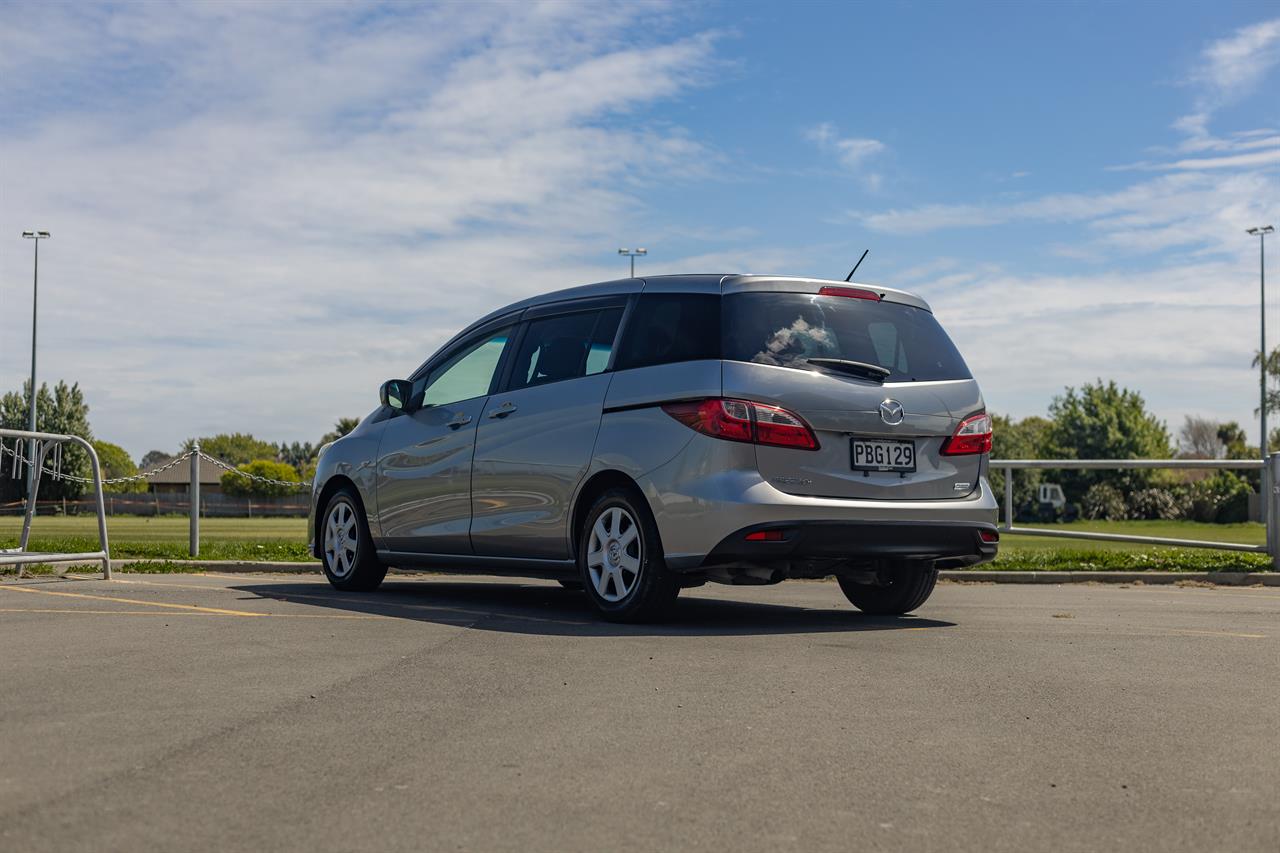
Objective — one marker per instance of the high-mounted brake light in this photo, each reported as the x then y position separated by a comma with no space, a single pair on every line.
972,436
741,420
853,292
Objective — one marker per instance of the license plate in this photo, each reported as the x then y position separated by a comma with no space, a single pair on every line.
872,454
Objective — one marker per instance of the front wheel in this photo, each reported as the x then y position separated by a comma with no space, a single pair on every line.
906,590
621,561
346,548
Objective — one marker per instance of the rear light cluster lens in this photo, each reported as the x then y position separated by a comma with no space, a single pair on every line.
740,420
768,536
972,436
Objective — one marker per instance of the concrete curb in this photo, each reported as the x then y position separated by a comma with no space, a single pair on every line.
230,566
1216,578
963,576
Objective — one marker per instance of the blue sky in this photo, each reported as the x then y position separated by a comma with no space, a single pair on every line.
260,212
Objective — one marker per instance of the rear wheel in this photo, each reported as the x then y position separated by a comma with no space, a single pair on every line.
905,591
346,548
620,558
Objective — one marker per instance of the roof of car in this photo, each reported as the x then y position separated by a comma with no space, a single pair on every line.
694,283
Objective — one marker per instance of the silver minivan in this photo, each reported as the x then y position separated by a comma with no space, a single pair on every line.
636,437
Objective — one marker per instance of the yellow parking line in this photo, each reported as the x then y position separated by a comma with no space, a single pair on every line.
187,607
190,613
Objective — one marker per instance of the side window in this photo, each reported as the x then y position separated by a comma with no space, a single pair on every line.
666,328
565,347
466,374
602,341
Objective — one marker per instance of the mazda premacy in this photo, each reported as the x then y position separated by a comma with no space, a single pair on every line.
636,437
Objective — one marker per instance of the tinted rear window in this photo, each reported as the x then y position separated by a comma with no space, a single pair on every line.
786,328
670,327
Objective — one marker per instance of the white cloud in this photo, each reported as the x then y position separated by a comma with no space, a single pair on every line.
1194,211
851,152
1230,69
259,215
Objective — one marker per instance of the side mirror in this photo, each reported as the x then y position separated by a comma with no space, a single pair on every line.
396,393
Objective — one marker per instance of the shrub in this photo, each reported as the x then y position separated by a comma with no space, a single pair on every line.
1103,502
1159,503
1222,498
234,484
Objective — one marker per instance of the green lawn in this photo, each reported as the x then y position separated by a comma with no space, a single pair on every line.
166,537
285,539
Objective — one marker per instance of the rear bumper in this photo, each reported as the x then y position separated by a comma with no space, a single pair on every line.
950,544
712,492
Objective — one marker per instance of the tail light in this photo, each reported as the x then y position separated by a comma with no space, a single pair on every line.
740,420
972,436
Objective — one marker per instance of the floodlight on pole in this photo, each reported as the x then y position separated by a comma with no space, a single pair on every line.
35,236
633,254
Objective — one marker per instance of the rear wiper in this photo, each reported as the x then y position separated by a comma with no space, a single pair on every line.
874,372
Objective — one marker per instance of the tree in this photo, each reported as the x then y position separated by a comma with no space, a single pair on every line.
298,454
154,459
1199,438
1017,440
235,448
115,462
1234,443
341,427
234,484
62,410
1103,421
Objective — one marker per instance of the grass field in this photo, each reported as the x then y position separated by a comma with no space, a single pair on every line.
285,539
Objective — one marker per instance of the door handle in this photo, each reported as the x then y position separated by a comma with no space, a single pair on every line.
503,410
459,420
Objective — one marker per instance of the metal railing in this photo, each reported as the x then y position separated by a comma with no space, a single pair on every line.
1270,469
43,444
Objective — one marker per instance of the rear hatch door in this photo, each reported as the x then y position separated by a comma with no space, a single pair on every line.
878,439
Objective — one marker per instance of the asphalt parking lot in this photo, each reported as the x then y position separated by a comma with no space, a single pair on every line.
223,712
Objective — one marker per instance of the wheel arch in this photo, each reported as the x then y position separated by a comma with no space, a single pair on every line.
596,485
331,487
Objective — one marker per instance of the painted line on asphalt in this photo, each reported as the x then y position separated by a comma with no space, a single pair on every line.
84,595
287,598
355,616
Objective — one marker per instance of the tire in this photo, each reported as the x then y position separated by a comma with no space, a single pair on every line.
346,548
906,591
621,562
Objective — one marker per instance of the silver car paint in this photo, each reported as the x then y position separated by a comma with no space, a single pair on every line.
699,488
523,480
424,478
712,489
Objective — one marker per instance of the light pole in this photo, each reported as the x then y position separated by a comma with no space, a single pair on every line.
1261,232
37,236
629,253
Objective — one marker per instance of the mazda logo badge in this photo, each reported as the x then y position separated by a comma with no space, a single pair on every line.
891,412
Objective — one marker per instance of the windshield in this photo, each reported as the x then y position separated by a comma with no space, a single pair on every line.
785,329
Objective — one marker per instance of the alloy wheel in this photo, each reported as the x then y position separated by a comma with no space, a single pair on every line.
614,554
341,536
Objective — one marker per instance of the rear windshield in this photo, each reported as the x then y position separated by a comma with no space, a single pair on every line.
784,329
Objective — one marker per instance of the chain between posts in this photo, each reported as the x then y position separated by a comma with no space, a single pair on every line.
228,467
21,459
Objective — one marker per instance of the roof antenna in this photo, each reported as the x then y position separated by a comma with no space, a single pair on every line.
849,277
